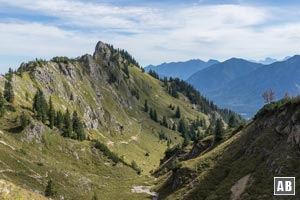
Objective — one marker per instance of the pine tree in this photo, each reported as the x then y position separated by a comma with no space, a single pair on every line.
24,120
51,114
67,125
49,191
155,117
232,121
182,127
10,74
186,140
21,71
174,127
165,122
78,127
219,130
146,106
151,113
126,70
40,106
2,105
178,113
8,92
59,120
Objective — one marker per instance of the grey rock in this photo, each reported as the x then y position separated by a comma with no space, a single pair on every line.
34,133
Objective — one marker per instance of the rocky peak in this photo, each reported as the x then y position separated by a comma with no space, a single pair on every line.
103,49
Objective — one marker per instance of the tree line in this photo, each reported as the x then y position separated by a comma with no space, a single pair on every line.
189,129
71,125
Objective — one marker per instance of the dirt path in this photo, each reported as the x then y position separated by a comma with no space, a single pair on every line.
132,138
146,190
5,144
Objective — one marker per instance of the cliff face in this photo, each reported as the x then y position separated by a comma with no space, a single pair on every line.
243,167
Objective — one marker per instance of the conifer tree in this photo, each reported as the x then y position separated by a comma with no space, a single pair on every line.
51,114
67,124
186,140
155,117
165,122
78,127
59,121
182,127
49,191
24,120
174,127
126,70
151,113
40,106
146,106
178,113
2,105
232,121
8,92
10,74
219,130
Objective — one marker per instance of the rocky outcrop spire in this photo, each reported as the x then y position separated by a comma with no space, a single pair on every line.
102,49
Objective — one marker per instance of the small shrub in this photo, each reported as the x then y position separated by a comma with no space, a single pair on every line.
22,151
49,191
111,155
175,165
136,167
10,108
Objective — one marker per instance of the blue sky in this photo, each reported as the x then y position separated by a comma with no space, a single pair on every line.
152,31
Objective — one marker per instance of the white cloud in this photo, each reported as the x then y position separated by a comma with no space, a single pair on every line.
152,34
33,39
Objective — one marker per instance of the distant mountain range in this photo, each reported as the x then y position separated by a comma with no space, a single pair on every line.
216,76
243,94
237,83
267,61
182,70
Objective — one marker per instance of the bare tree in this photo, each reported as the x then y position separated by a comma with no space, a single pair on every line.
271,95
265,96
268,96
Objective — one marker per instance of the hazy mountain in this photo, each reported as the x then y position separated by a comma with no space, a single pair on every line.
181,70
267,61
243,94
215,76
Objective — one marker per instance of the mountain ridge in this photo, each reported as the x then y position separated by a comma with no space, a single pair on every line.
129,118
214,76
280,76
262,149
182,69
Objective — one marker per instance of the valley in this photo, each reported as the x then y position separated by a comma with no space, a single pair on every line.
100,127
122,122
149,100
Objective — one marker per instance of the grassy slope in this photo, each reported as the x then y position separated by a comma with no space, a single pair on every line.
140,133
31,164
257,150
11,191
